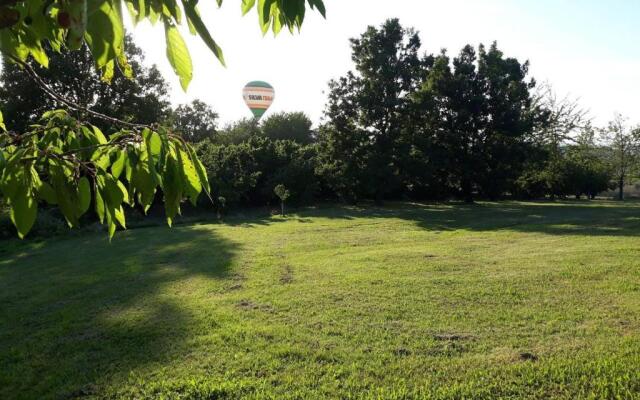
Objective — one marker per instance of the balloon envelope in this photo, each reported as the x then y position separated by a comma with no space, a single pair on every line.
258,95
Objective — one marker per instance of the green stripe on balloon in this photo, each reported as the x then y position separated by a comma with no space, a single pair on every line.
258,112
261,84
258,95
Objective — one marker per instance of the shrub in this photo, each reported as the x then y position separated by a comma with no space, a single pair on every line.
247,173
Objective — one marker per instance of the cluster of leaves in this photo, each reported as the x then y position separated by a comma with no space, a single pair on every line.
26,25
195,121
571,172
73,165
143,99
294,126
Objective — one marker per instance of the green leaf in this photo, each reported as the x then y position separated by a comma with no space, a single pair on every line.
24,209
105,31
67,198
99,204
118,215
113,194
247,5
84,195
264,14
194,19
178,54
2,125
172,189
319,5
77,10
200,169
125,193
13,177
154,143
99,135
144,185
192,186
118,165
101,158
46,193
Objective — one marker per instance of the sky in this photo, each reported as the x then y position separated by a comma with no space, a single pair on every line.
586,49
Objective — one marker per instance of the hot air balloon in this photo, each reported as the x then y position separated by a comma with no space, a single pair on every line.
258,95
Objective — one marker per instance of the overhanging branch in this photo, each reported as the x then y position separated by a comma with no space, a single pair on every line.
62,100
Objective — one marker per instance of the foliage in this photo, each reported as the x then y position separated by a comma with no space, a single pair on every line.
402,124
73,165
570,173
295,126
409,301
143,99
478,114
66,162
559,118
624,150
283,194
367,110
238,132
27,27
195,122
247,173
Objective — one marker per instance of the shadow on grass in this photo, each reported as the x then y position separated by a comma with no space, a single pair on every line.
98,309
590,218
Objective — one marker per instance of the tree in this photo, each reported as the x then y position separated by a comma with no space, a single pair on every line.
476,110
238,132
71,163
283,194
143,99
366,112
559,119
294,126
196,121
624,147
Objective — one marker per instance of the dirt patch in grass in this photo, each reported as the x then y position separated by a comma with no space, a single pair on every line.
452,337
527,356
287,275
250,305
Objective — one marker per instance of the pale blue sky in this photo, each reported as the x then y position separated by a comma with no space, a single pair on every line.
586,48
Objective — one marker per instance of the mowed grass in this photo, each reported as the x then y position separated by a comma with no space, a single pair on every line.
448,301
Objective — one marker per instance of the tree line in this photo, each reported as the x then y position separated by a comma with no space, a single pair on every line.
402,124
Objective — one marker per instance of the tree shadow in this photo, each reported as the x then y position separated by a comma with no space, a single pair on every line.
98,310
595,218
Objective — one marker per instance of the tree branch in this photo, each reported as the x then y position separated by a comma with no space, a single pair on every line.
61,99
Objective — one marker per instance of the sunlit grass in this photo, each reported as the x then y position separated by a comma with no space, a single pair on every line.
520,300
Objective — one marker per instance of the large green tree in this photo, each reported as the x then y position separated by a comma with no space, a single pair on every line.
477,110
195,121
366,112
294,126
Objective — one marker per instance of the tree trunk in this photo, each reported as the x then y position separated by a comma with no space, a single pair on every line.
379,198
467,194
621,189
282,207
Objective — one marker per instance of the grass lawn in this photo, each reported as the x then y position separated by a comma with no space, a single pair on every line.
512,300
